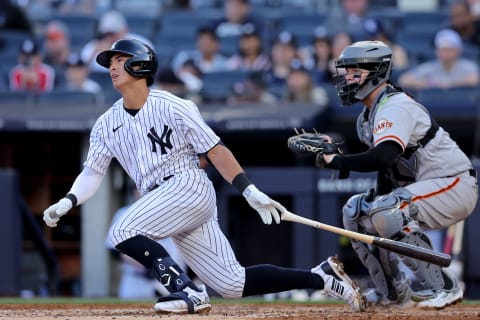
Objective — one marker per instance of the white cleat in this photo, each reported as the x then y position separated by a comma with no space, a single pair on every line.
186,301
442,298
338,284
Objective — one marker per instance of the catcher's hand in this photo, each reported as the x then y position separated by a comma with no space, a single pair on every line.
313,143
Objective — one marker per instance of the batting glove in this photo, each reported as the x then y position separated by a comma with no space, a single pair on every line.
266,207
52,214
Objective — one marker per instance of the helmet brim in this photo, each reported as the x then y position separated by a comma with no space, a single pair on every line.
104,57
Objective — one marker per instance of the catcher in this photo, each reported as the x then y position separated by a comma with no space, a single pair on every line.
424,180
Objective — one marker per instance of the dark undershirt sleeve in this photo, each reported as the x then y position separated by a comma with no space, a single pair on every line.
379,157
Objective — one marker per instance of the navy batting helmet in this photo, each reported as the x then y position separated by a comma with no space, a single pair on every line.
143,57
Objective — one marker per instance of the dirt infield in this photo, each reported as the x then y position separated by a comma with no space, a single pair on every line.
271,311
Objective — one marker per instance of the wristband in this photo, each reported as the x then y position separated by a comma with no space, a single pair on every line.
73,198
241,182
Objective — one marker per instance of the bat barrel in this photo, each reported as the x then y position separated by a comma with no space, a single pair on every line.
438,258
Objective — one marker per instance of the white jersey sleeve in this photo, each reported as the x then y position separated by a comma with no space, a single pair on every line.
196,130
99,155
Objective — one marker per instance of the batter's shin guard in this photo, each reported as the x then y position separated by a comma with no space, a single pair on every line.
171,276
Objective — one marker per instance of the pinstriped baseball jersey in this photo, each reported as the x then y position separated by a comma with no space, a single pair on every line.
161,140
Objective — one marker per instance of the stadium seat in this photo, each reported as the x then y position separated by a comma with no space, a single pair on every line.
143,8
81,28
181,23
167,45
10,40
102,78
229,45
9,98
300,23
67,98
217,86
146,26
418,44
423,21
454,102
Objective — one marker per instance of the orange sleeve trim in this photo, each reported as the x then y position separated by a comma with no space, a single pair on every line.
391,138
432,194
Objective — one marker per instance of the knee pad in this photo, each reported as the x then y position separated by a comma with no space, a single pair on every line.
388,219
355,211
428,275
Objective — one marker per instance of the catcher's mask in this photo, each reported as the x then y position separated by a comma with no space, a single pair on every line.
143,61
374,56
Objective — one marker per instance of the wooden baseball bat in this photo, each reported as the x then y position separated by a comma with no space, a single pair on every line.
405,249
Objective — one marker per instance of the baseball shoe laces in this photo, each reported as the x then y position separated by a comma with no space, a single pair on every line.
186,301
338,284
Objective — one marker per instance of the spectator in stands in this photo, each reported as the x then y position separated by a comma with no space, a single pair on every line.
31,74
192,77
284,51
448,70
237,13
206,56
316,57
57,44
301,87
13,17
168,80
374,30
77,78
463,21
250,56
340,40
112,26
474,6
253,91
350,18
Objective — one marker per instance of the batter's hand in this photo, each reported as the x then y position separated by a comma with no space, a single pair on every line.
266,207
52,214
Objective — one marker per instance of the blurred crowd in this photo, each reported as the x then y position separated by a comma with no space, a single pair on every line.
239,51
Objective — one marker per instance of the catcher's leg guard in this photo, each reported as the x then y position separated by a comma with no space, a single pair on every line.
390,222
390,282
427,275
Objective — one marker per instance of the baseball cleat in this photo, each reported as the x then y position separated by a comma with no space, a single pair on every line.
338,284
186,301
443,298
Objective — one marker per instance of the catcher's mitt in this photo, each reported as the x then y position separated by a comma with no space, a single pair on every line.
313,143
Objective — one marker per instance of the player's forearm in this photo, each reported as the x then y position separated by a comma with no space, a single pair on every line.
86,184
225,162
380,157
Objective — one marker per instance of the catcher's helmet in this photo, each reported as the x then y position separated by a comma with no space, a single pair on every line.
374,56
142,56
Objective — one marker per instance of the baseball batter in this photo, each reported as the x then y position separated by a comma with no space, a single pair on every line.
424,179
159,139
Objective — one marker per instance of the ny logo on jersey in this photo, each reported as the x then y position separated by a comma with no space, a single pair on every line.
163,141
